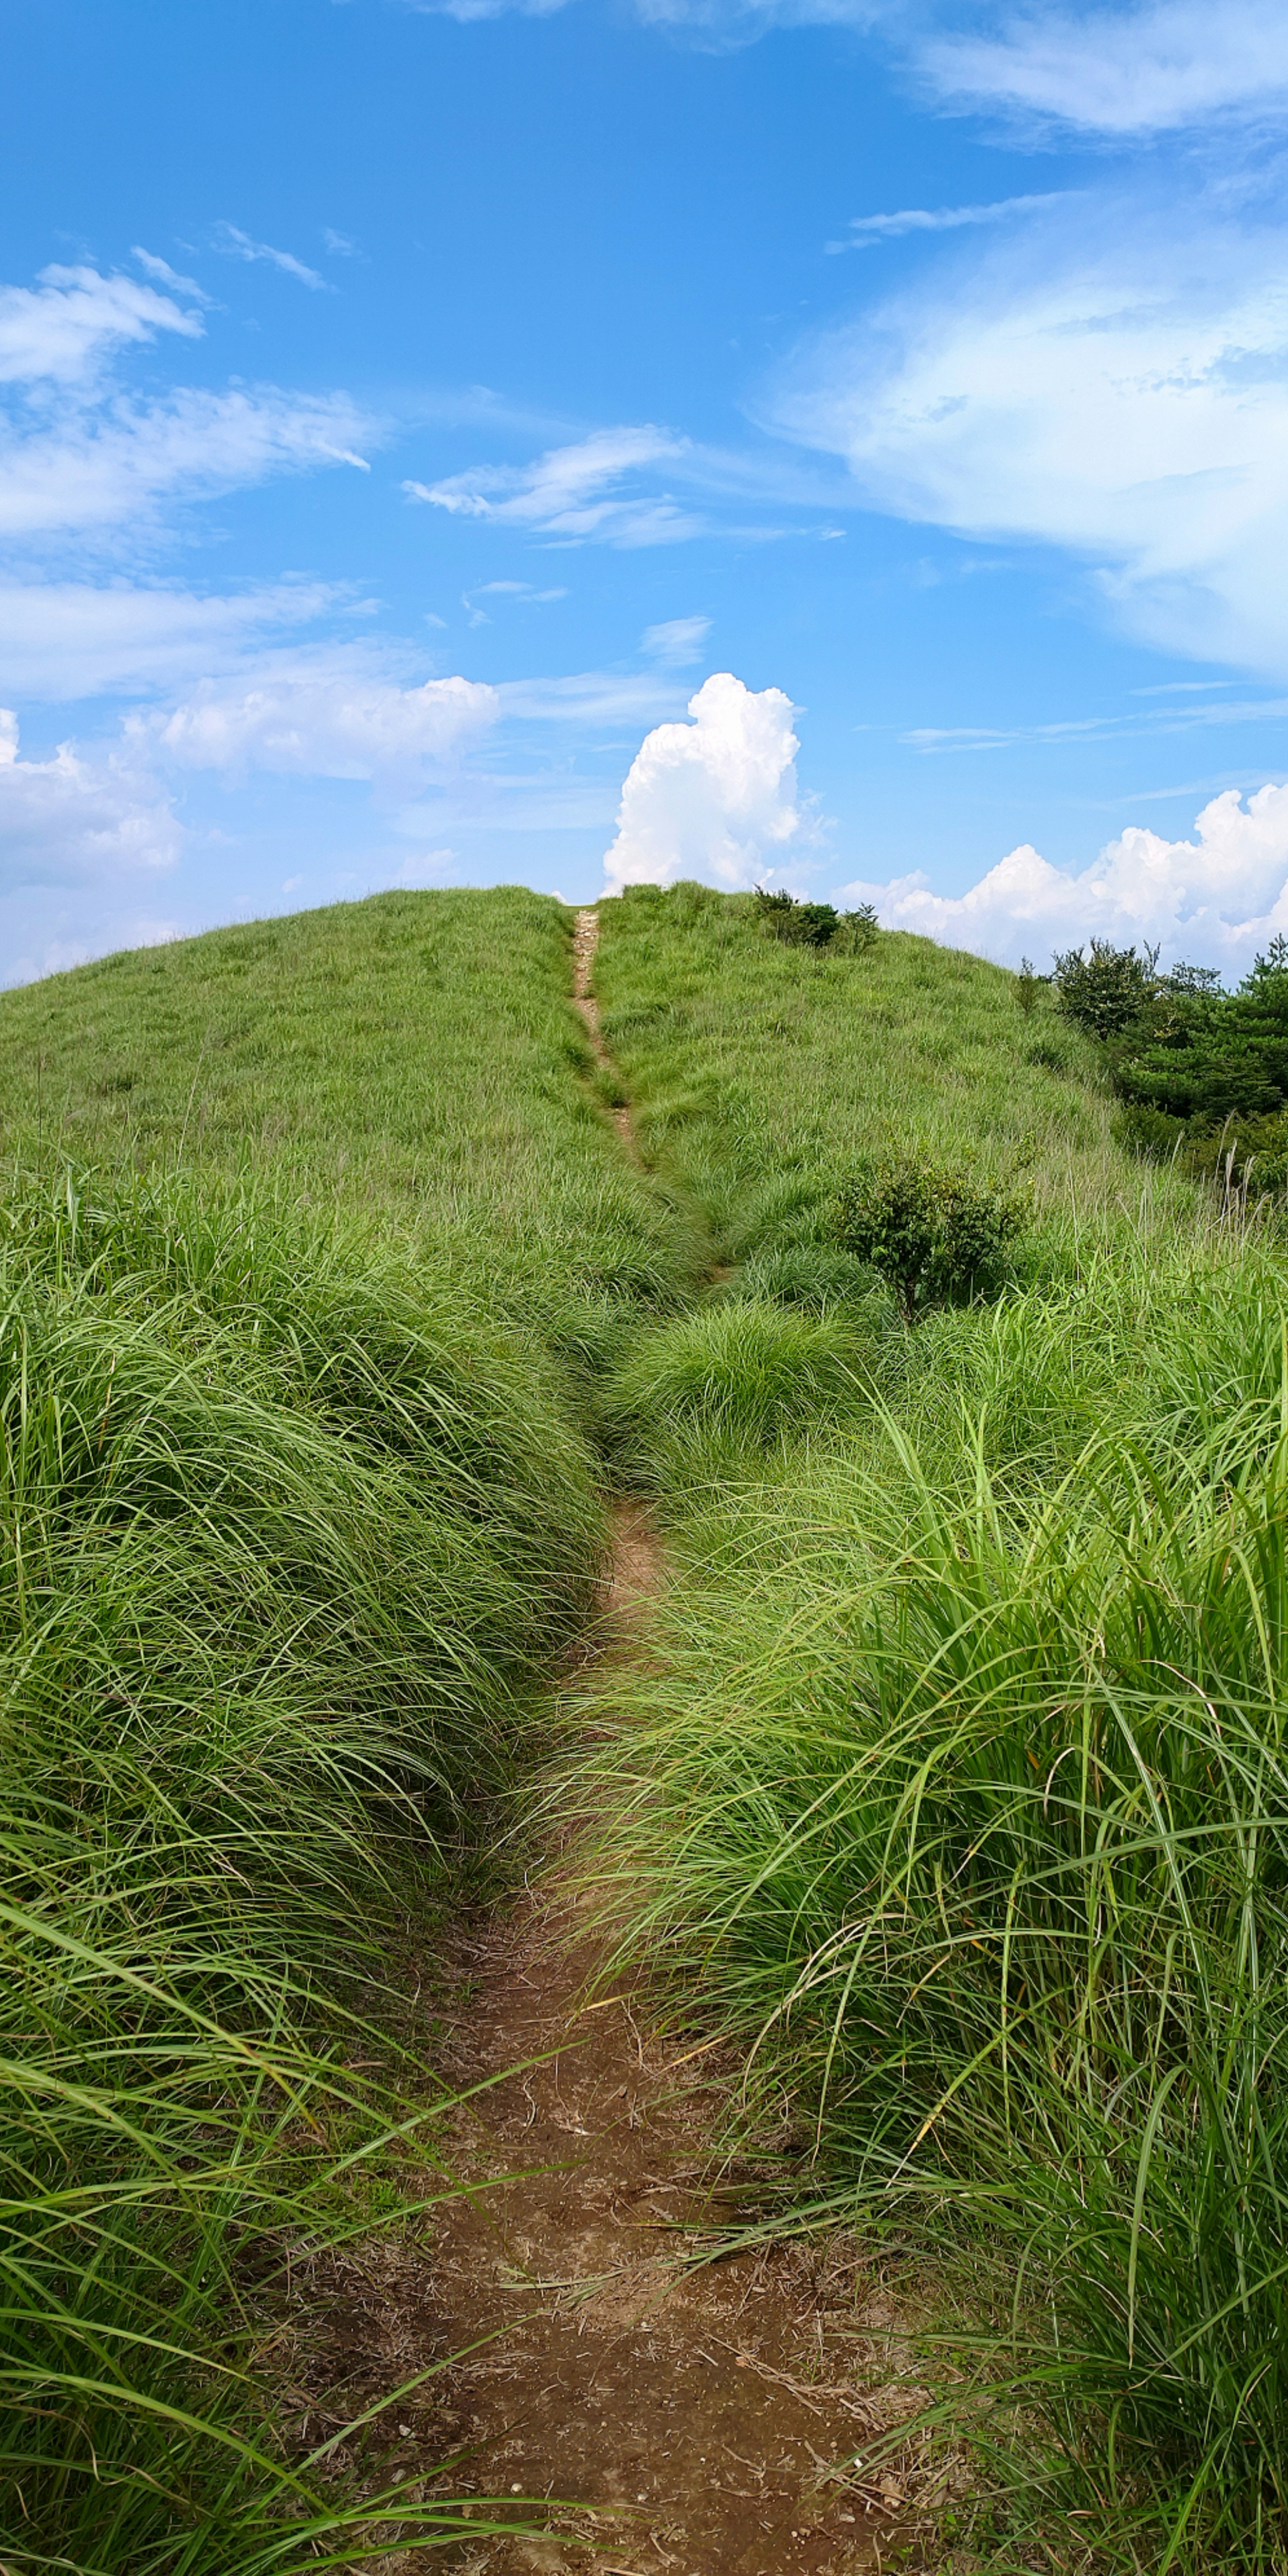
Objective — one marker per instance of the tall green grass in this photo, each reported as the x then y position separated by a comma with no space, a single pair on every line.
288,1539
957,1788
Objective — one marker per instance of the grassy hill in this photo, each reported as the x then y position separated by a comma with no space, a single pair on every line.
952,1783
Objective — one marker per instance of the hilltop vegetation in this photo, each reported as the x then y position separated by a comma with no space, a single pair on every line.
951,1790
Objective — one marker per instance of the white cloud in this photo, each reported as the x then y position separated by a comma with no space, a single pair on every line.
71,820
595,699
339,723
117,464
865,232
677,641
1168,65
161,270
80,640
62,328
605,488
1114,382
1174,63
1214,900
715,798
235,244
340,245
573,492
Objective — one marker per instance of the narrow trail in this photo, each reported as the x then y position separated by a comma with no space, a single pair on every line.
584,944
693,2411
698,2415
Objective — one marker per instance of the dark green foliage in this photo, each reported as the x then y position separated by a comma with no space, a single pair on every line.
1027,987
1203,1073
1107,992
798,925
858,931
936,1237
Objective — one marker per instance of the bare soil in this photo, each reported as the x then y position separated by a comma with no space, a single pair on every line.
703,2417
584,944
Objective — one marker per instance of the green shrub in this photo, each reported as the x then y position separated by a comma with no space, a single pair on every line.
1107,992
798,925
935,1237
1027,987
858,931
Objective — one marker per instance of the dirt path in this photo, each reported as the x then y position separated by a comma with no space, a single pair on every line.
704,2417
699,2414
585,941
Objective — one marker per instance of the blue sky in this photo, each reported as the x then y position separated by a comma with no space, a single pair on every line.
804,440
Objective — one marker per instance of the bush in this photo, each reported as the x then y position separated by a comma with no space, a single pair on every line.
1107,992
798,925
936,1237
1027,986
858,931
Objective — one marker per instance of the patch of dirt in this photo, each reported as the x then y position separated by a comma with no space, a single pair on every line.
585,941
704,2417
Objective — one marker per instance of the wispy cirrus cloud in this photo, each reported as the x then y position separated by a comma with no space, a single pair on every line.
586,490
867,232
114,466
1189,716
154,266
1166,66
1122,72
1110,378
676,642
62,640
63,329
637,486
233,243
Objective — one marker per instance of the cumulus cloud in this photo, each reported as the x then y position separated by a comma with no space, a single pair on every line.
323,724
1215,899
1115,382
714,798
72,820
61,329
1173,63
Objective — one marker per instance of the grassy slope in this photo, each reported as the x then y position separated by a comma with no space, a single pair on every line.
758,1071
959,1781
414,1056
309,1232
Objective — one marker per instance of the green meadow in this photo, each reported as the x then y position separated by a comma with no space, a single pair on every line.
951,1790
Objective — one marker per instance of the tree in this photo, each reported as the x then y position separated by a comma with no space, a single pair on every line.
935,1237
